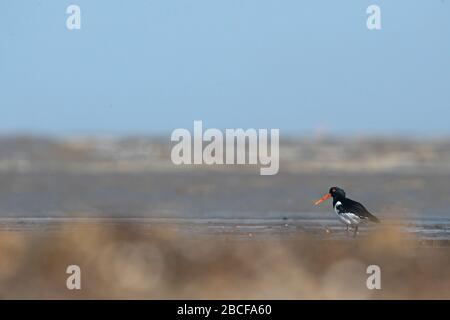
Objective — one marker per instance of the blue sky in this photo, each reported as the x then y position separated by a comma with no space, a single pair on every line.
148,67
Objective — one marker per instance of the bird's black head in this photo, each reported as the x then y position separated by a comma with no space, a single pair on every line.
335,192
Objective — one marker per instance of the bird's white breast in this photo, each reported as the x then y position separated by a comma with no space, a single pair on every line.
346,217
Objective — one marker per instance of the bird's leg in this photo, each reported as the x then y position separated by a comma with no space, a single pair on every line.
347,229
355,232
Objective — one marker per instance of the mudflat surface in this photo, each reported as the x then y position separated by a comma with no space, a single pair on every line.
423,232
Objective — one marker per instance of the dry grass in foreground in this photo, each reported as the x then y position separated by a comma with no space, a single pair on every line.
126,263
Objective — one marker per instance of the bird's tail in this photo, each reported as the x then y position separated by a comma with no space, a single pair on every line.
374,219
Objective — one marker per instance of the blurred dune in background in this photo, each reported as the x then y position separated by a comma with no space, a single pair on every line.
297,155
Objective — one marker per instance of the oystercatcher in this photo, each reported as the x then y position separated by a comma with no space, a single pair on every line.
350,212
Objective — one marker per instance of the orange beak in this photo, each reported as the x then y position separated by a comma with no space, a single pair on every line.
325,197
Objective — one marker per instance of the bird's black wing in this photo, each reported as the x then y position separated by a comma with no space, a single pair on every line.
358,209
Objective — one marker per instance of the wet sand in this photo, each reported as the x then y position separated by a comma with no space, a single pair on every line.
425,232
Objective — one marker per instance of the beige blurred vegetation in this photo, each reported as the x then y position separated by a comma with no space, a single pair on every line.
129,262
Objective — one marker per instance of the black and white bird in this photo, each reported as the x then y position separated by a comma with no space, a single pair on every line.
350,212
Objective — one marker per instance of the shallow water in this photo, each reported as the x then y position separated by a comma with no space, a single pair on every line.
433,231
